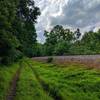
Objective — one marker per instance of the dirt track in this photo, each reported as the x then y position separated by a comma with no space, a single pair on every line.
89,60
13,85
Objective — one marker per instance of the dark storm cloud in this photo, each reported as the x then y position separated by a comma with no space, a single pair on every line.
73,13
78,14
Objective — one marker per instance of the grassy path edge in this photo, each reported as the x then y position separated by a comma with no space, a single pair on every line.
45,86
13,84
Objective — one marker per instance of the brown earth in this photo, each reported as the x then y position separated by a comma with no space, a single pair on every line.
92,61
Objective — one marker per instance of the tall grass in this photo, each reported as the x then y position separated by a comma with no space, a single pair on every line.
70,82
29,87
6,75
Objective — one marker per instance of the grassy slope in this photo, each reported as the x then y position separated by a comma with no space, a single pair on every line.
70,82
6,74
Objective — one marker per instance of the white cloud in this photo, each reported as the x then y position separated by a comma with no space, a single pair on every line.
84,14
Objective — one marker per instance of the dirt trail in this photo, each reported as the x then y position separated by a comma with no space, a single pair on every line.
13,84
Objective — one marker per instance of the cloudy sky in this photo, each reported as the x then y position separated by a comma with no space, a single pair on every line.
84,14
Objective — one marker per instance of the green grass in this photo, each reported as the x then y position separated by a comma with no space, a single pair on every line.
49,81
6,74
70,82
29,87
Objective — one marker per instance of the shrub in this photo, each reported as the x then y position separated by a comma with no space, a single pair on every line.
49,60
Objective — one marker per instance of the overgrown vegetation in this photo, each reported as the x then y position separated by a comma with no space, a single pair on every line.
72,82
17,29
18,35
43,81
50,59
6,75
60,41
29,87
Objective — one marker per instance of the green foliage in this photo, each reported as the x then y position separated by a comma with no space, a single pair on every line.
6,74
50,59
70,82
39,50
8,42
60,41
49,81
62,48
24,26
89,44
29,87
17,30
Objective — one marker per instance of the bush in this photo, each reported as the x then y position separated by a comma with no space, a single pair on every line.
13,56
62,48
49,60
6,60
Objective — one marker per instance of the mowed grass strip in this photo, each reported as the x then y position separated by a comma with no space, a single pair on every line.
28,88
6,75
70,82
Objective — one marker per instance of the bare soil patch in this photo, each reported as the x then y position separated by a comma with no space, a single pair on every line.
92,61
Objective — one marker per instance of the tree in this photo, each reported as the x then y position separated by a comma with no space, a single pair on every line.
62,48
78,34
17,29
60,41
8,42
24,27
56,37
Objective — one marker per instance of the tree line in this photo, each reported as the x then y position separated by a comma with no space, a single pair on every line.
60,41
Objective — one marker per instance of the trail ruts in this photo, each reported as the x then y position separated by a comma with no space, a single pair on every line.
52,92
13,85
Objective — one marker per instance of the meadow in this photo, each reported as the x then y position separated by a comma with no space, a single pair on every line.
46,81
